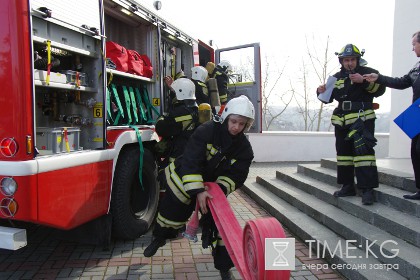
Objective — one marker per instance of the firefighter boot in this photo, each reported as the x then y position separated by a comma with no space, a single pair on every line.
346,190
226,274
154,246
415,196
367,196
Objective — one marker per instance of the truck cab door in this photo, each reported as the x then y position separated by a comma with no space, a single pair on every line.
246,76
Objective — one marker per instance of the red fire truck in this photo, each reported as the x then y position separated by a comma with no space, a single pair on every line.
76,125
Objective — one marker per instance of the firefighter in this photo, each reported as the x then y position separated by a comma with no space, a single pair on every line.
411,79
221,74
168,80
210,68
199,76
177,125
218,151
354,122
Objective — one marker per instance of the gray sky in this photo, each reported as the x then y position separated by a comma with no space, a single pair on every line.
281,27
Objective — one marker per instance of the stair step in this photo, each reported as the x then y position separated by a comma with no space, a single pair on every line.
401,180
400,224
385,194
308,228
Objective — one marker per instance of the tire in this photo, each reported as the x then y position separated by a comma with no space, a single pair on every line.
134,209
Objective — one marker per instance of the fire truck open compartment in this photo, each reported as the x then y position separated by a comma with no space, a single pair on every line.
78,81
169,50
68,93
138,30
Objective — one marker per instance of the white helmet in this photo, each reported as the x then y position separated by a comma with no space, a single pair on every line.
226,65
184,89
199,73
239,106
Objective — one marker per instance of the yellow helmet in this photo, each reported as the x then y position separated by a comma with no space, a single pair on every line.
349,50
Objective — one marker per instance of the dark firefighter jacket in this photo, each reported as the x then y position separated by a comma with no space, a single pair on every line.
211,155
201,92
345,91
222,83
409,80
176,127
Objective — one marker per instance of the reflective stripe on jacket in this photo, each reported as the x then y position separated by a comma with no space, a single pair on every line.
211,155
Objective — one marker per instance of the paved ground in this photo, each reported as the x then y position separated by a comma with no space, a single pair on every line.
47,257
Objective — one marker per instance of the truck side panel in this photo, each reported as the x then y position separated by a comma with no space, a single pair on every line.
64,204
15,75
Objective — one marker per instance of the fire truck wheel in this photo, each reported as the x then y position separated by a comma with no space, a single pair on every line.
133,206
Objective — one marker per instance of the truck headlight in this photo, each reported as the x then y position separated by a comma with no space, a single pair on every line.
8,186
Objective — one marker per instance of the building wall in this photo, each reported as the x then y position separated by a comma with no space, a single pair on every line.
302,146
406,22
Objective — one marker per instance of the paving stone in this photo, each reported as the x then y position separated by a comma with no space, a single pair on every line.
178,259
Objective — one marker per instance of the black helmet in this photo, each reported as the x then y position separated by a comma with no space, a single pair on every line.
350,50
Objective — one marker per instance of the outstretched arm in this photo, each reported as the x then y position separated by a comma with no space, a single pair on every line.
371,77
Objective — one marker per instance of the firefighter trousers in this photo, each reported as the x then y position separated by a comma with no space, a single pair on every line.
415,159
349,165
173,216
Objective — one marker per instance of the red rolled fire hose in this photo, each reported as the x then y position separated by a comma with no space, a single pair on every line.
245,247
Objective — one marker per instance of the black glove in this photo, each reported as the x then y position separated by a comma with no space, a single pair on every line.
370,140
208,230
351,134
163,147
363,140
359,145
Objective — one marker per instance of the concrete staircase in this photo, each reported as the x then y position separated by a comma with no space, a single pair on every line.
379,241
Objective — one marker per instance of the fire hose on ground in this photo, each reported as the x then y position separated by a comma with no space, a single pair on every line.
246,247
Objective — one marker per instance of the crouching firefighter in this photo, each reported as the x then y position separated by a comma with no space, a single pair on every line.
218,151
176,127
354,122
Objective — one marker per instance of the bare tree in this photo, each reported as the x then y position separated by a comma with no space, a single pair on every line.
320,65
304,95
271,94
304,99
